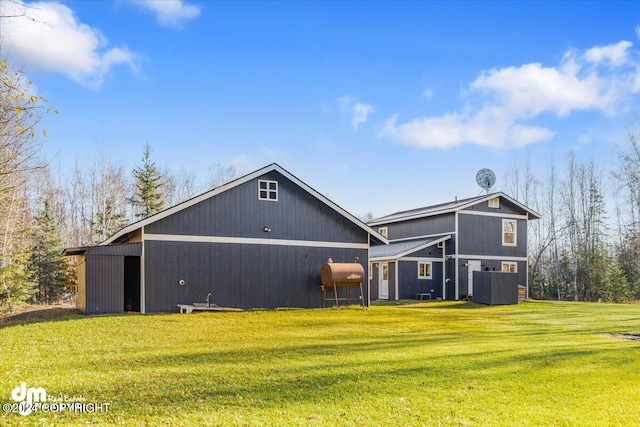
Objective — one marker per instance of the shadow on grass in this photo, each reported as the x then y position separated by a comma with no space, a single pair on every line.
44,314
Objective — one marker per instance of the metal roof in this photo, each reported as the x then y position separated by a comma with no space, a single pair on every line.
448,207
395,250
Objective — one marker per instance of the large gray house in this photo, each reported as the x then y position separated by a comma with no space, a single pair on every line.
258,241
433,251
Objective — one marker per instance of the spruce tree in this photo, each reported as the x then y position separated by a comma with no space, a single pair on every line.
51,271
148,198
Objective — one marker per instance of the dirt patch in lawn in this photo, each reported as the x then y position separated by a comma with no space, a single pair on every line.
37,313
624,337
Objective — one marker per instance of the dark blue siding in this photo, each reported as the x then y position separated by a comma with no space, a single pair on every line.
421,227
483,235
410,285
296,215
237,275
506,207
105,284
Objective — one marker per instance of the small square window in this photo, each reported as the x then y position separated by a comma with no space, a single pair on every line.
494,203
384,231
424,270
441,245
509,267
268,190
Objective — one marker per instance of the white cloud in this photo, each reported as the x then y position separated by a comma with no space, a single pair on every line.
500,103
615,54
49,37
357,112
360,114
170,13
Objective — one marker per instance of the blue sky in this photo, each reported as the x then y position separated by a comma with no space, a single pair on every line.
382,106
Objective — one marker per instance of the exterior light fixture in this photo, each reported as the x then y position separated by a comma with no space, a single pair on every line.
266,229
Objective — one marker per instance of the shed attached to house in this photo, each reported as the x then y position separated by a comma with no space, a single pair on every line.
256,242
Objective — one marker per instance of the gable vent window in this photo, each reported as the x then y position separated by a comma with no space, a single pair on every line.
268,190
494,203
384,231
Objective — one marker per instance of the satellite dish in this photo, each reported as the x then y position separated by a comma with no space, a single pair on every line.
485,179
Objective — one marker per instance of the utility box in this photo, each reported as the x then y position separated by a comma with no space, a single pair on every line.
495,288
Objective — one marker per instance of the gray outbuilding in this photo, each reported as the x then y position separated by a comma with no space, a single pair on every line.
256,242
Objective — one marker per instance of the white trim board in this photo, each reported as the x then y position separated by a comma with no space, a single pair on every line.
252,241
426,236
493,257
495,214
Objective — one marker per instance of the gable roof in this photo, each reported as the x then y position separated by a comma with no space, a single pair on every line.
375,236
449,207
395,250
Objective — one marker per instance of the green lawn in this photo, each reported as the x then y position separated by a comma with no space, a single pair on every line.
538,363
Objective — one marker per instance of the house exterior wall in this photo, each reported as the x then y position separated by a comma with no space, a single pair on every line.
296,215
439,224
411,285
373,282
506,207
279,268
104,284
237,275
392,281
482,235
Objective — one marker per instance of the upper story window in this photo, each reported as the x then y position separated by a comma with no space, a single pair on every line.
509,232
267,190
384,231
509,267
494,203
424,270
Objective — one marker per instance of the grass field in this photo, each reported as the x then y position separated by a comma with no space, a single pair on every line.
538,363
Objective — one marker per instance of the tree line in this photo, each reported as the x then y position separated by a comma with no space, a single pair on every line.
586,247
43,210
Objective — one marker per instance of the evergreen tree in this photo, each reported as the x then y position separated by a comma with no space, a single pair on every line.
616,286
148,198
51,271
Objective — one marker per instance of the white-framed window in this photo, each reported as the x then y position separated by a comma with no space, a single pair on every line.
509,267
384,231
494,203
441,244
424,270
509,232
267,190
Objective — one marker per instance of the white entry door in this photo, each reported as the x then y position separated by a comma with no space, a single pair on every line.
383,281
473,266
